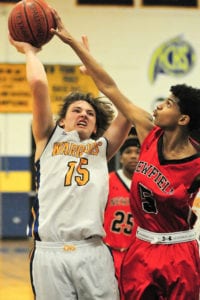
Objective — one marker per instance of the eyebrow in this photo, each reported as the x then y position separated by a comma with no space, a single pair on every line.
89,109
174,100
170,99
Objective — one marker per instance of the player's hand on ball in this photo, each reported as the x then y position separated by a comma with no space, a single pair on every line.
22,47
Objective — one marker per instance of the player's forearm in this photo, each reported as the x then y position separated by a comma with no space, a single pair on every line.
35,71
37,80
102,79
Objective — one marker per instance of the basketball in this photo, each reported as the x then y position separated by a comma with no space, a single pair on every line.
30,21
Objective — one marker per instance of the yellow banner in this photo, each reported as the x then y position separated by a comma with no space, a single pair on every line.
63,79
15,181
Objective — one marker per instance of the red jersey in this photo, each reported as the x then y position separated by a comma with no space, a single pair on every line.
159,198
118,219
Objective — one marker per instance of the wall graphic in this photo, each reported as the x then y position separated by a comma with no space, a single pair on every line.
14,90
175,57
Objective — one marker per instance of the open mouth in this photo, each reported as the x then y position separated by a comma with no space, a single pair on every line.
82,123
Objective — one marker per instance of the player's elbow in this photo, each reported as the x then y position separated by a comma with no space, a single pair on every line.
37,84
109,89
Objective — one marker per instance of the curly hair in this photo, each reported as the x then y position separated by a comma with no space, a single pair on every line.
103,109
189,103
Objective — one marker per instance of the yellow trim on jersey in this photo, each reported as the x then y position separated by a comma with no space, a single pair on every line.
15,181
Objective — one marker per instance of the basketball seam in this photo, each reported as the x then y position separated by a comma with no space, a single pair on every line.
28,23
12,25
46,19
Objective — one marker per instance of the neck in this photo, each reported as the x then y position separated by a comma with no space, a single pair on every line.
128,174
177,145
173,141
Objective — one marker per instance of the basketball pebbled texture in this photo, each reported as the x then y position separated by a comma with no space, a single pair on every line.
30,21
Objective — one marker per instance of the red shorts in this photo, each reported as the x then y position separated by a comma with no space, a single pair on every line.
155,271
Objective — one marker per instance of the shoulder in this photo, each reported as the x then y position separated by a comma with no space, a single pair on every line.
154,133
153,136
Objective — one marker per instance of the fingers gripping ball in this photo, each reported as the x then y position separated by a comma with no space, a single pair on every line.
30,21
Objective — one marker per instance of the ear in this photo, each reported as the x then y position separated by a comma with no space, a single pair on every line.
61,123
95,130
184,120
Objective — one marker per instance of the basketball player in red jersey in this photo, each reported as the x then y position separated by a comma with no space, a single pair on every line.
163,260
118,220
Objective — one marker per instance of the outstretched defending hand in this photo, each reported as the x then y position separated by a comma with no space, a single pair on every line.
61,31
65,36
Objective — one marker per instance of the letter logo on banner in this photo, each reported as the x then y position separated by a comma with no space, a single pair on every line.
175,57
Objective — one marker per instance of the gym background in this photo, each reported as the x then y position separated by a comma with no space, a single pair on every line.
147,46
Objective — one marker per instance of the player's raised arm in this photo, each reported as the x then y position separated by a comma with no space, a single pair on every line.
141,119
36,76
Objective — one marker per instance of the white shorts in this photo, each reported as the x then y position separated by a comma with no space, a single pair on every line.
81,270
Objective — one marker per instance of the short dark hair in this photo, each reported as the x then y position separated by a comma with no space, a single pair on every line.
131,141
189,103
103,109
